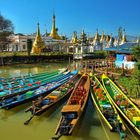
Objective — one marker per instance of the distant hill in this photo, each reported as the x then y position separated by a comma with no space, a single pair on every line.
131,38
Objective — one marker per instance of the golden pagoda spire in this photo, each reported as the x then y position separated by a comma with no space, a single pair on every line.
54,33
96,38
38,44
107,38
74,38
102,37
38,30
124,38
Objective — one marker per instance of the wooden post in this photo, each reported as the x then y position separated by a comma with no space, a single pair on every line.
107,66
122,68
98,64
85,67
93,66
69,67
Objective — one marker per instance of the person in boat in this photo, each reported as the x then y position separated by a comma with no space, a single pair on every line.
1,87
31,80
121,131
107,82
39,102
33,109
10,85
21,82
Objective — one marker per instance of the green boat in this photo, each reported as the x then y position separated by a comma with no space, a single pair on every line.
127,109
103,104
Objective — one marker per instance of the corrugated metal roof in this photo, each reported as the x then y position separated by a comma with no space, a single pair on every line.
124,48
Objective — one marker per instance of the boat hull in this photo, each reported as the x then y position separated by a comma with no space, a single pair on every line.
113,91
73,110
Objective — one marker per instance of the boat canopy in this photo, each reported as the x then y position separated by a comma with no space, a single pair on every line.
71,108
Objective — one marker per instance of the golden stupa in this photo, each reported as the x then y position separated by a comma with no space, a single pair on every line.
38,44
74,38
54,33
96,37
124,40
102,37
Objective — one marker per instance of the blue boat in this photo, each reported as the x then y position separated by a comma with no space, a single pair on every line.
32,94
4,94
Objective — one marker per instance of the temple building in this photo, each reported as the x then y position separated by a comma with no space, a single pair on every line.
53,41
78,45
96,42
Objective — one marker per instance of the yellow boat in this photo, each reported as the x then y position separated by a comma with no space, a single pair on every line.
103,104
127,109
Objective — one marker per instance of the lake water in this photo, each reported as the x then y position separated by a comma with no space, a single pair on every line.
91,126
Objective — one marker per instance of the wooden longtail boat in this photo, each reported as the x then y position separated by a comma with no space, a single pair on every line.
123,104
14,80
29,86
55,96
103,104
23,82
31,94
42,104
74,108
104,107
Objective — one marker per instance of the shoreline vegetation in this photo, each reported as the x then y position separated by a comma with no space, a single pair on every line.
10,58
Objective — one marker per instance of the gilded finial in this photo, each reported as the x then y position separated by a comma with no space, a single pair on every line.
54,33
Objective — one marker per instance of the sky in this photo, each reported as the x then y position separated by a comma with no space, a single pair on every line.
73,15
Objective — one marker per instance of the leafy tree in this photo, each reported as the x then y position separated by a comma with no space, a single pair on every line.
136,73
29,45
6,29
136,52
83,37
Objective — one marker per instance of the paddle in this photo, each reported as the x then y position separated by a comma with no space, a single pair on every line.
33,114
27,122
56,137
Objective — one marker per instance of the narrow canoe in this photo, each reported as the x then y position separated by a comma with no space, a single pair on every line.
123,104
24,82
103,104
74,108
55,96
16,80
29,86
32,94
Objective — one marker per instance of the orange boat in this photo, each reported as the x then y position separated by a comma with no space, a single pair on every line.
74,108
